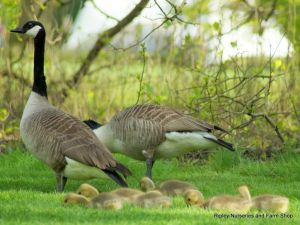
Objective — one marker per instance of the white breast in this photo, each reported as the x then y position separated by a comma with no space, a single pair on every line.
35,103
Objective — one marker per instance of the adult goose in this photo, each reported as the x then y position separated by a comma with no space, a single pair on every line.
150,132
58,139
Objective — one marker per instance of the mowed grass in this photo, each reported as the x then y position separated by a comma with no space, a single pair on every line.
27,193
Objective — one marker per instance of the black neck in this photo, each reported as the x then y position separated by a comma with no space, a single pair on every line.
39,83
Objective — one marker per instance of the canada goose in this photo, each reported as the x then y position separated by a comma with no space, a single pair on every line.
103,200
87,190
150,132
193,197
235,204
152,199
58,139
168,187
271,203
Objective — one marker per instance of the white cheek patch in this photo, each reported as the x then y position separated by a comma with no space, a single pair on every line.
33,31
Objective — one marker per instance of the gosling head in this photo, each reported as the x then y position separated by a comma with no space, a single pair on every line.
31,28
244,192
194,198
146,184
73,198
87,190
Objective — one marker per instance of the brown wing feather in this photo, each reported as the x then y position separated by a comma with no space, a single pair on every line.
75,140
142,120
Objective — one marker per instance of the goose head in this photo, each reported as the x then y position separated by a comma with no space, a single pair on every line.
30,28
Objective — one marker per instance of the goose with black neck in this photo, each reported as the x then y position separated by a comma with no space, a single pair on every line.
58,139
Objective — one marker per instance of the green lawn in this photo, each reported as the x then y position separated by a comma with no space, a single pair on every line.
27,191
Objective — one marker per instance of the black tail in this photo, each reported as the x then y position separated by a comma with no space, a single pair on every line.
92,124
116,177
113,173
225,144
220,129
123,170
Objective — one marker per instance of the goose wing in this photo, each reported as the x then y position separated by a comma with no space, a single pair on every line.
148,123
74,139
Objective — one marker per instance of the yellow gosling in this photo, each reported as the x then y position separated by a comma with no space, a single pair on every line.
194,198
126,194
72,198
107,201
146,184
169,187
244,192
235,204
87,190
152,199
271,203
229,203
175,187
103,201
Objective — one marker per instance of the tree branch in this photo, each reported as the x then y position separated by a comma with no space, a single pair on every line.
101,42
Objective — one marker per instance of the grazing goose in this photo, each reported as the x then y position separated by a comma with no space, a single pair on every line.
150,132
168,187
58,139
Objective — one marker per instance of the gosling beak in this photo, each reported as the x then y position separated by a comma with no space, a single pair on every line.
18,30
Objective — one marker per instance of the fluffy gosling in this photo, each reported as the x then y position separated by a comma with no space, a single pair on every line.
87,190
194,198
72,198
103,200
169,187
235,204
152,199
126,194
271,203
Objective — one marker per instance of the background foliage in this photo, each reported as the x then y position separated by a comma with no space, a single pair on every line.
255,98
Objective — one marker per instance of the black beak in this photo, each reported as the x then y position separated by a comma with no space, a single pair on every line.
18,30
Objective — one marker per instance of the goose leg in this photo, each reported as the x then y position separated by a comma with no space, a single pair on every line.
149,161
149,164
60,182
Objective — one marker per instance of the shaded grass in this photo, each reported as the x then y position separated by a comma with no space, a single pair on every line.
27,191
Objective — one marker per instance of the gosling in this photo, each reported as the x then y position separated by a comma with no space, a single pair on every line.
152,199
87,190
169,188
103,201
127,195
271,203
235,204
194,198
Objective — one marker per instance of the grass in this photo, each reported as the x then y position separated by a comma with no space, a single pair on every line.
27,191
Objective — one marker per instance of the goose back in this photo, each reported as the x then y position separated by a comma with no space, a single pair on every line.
144,126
